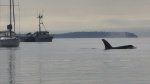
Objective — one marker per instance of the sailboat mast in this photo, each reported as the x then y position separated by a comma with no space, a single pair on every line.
13,14
10,13
9,27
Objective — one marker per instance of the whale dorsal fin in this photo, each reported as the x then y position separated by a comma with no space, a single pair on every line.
107,45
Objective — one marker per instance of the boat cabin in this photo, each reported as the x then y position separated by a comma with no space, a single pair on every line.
7,34
41,33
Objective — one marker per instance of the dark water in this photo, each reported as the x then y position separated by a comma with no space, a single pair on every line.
76,61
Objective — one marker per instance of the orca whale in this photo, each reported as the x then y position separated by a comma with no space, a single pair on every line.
108,46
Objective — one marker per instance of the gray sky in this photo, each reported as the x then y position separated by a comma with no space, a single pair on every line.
86,15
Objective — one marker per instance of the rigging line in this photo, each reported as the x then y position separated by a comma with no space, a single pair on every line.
43,25
19,15
0,8
0,11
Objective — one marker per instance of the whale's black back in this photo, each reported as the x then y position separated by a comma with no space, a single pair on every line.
108,46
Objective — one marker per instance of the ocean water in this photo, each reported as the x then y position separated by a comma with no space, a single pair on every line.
76,61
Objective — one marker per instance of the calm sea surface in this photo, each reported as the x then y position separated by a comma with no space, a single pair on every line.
76,61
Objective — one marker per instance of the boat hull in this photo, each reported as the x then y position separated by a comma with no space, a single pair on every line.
43,39
29,39
38,39
9,42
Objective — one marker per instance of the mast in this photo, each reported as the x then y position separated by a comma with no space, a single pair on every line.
13,14
40,17
39,24
9,27
10,13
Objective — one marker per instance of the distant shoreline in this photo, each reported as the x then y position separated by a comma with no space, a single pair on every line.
93,35
96,35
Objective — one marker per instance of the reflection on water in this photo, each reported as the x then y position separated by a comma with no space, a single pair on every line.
7,64
12,65
75,61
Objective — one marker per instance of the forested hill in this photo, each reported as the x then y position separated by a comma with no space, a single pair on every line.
96,35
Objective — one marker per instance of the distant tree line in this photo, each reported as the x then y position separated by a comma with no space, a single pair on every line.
101,34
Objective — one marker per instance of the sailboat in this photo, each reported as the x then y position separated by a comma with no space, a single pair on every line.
8,38
39,36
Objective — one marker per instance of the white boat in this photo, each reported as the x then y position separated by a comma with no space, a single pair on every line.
8,38
8,41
